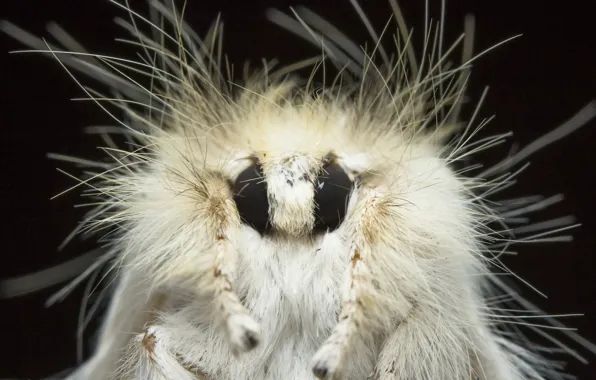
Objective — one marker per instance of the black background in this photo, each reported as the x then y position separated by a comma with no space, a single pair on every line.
536,82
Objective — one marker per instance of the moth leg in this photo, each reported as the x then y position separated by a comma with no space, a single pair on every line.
127,313
212,280
427,346
359,294
155,354
444,342
242,330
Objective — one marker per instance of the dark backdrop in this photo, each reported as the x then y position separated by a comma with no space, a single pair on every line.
535,82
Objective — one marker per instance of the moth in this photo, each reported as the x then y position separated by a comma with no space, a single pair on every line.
285,227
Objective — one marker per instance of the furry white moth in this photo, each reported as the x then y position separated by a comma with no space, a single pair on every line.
282,228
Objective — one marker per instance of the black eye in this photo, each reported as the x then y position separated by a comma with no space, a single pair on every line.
250,195
332,192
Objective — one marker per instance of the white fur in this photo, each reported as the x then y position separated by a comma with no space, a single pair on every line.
424,260
399,291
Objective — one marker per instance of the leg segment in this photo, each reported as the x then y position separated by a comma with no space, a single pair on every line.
360,298
211,274
242,331
127,313
169,349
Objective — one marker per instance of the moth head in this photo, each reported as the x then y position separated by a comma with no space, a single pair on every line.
293,194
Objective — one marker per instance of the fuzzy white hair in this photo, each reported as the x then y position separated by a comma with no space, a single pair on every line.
403,289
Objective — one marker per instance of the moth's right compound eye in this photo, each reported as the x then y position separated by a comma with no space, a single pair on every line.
250,195
332,193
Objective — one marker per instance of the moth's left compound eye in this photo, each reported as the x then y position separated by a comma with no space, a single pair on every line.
250,195
332,193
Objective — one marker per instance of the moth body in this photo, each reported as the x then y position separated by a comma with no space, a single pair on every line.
282,228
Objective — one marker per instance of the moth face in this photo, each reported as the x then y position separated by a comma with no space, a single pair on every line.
293,194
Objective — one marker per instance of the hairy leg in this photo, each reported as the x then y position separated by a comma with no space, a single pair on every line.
131,308
202,270
171,348
362,312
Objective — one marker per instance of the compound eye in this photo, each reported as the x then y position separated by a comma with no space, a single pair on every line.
250,195
332,193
